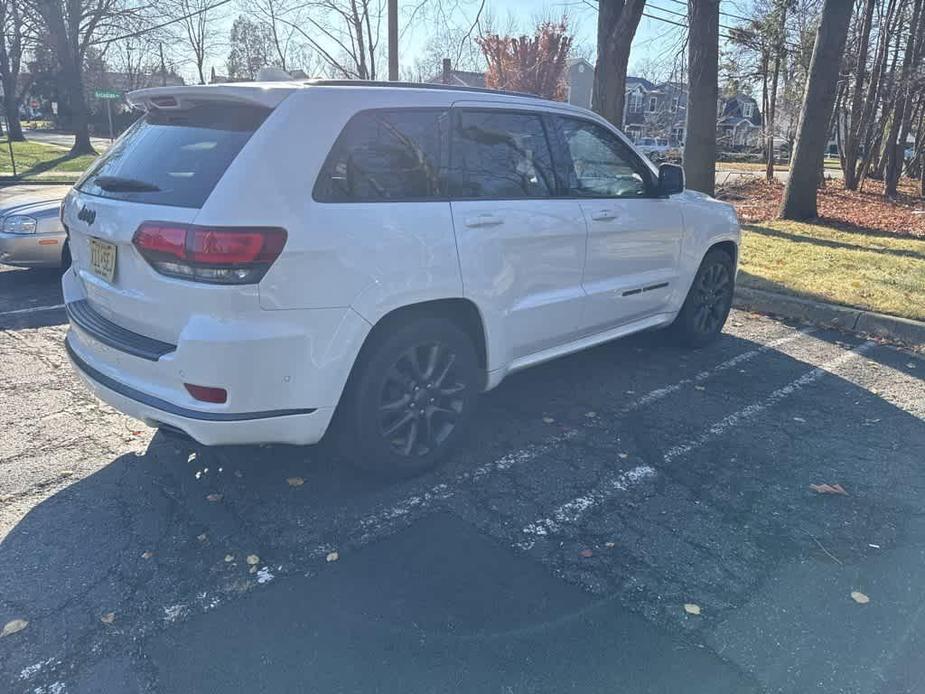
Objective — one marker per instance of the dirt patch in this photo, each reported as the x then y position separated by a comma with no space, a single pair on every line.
870,211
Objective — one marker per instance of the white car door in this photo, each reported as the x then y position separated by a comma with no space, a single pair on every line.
521,249
634,236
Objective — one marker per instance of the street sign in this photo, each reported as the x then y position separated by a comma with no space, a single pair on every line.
105,94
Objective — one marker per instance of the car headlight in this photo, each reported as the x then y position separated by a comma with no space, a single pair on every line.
19,224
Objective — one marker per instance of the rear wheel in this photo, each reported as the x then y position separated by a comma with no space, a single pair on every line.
708,302
411,398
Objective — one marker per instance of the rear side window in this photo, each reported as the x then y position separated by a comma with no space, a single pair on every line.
386,155
174,157
500,154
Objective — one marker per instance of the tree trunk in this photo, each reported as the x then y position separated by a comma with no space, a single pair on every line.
617,21
899,128
73,86
853,129
818,101
703,92
11,108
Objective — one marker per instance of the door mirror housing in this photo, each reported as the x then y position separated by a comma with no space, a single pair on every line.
670,179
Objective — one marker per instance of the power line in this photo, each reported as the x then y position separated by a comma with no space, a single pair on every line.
162,25
725,14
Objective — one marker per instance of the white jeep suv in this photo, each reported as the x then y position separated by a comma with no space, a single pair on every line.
253,261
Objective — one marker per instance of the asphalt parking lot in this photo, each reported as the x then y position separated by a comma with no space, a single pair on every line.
598,495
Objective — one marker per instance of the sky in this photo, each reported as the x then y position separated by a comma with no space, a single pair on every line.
656,44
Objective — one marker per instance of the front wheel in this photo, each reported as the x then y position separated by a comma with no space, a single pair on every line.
411,398
708,302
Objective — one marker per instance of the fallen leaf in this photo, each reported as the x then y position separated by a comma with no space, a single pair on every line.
591,415
332,556
586,553
108,617
699,388
253,559
859,597
147,555
610,545
623,456
13,626
828,489
201,537
214,497
691,608
229,557
548,420
910,365
252,570
799,419
871,544
295,481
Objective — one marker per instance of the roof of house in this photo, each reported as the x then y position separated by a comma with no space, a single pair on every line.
461,78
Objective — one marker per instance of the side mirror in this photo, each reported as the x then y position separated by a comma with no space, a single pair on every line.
670,179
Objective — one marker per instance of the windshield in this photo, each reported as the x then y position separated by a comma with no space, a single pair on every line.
174,157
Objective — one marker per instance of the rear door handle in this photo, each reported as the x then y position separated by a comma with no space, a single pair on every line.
603,215
484,220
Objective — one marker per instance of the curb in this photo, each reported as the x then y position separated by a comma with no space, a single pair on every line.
854,319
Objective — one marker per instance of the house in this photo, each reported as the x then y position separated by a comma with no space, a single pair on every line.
579,77
655,110
738,124
458,78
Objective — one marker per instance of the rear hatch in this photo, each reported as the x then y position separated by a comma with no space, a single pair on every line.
161,171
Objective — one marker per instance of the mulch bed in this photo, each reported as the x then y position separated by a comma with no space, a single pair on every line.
757,200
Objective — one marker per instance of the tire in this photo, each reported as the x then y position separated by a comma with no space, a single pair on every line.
708,302
410,399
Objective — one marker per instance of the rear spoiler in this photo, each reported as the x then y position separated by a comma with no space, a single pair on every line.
266,94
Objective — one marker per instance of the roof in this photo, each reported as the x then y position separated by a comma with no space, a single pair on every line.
642,81
461,78
270,94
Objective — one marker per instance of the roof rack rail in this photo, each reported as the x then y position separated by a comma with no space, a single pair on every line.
418,85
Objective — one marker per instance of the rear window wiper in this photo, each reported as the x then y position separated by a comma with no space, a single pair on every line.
115,184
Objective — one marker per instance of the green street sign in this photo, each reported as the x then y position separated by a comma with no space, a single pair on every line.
103,94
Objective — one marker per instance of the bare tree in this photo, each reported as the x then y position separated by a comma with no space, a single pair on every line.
808,156
73,26
617,21
16,32
196,27
703,67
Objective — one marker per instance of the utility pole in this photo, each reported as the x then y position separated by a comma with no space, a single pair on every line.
393,40
160,47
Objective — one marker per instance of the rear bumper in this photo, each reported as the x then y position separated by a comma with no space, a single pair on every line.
32,250
293,426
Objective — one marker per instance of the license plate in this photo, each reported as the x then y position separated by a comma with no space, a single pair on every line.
103,258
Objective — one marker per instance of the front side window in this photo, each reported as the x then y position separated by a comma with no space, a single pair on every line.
501,155
601,165
385,155
653,104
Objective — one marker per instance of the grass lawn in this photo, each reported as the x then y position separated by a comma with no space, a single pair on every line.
42,161
877,272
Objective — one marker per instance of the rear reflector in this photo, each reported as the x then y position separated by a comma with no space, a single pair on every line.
222,255
207,394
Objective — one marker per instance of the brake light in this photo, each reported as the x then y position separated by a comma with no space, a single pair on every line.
223,255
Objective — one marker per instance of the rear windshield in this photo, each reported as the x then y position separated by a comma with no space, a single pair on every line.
174,157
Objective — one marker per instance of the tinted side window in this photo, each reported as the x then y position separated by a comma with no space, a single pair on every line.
498,154
601,165
385,155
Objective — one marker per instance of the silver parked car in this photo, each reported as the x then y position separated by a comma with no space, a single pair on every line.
31,233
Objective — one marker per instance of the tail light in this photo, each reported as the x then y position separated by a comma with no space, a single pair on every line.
207,393
220,255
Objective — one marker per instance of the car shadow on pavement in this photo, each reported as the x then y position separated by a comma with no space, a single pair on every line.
275,568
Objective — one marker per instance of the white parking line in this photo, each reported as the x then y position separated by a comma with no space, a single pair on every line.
572,511
31,309
380,522
755,408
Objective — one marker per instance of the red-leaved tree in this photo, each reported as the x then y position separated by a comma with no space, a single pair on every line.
533,64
